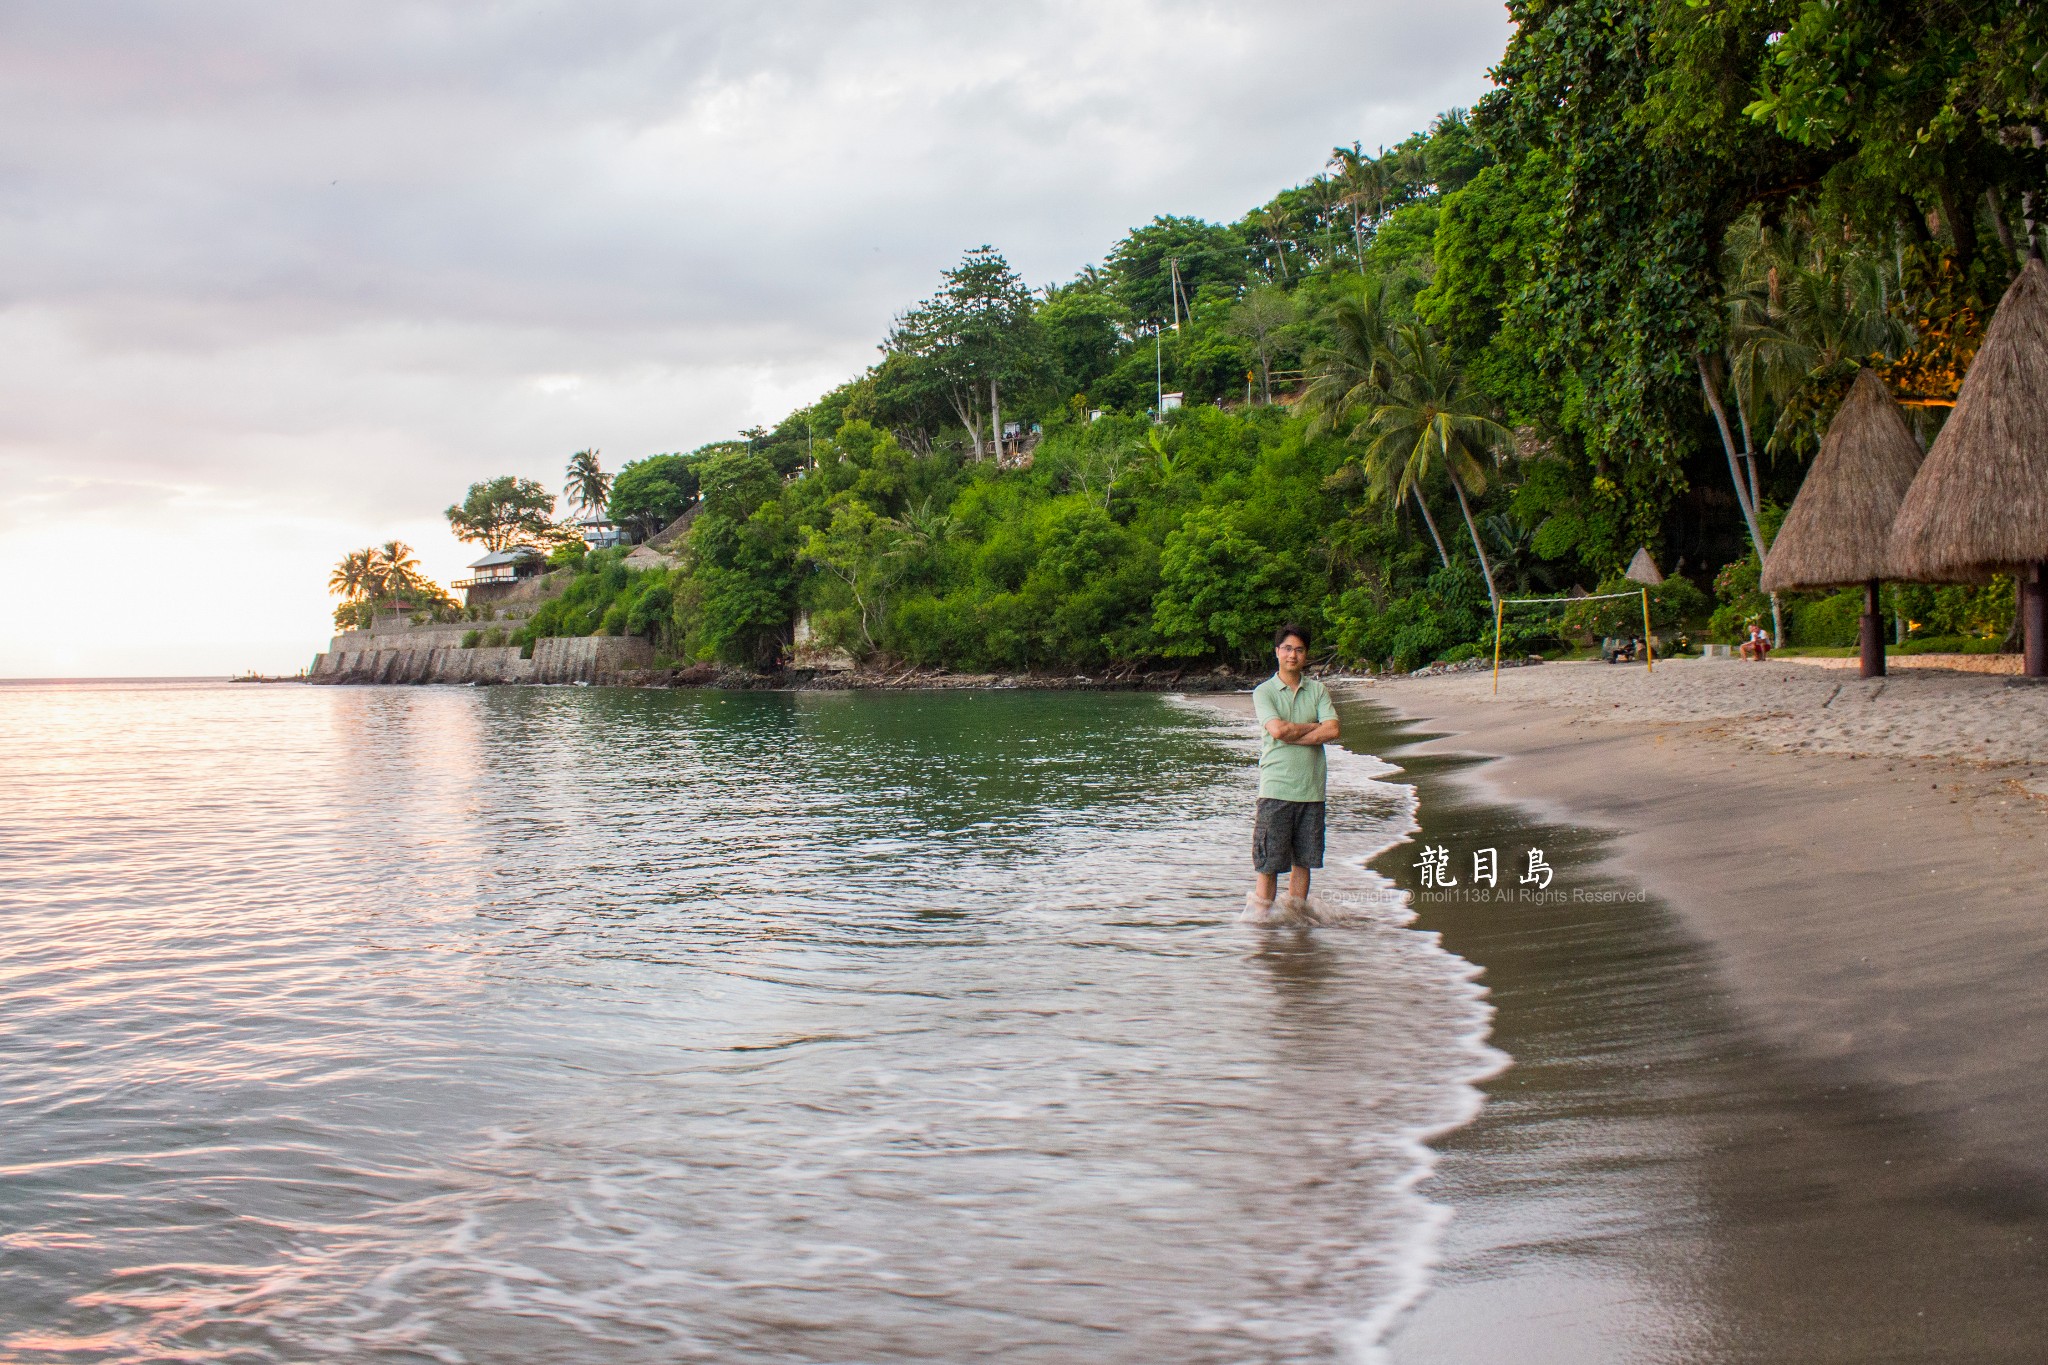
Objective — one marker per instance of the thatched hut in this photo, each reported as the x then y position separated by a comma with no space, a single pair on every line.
1839,529
1643,569
1980,504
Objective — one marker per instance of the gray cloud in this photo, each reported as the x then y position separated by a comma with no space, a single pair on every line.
348,257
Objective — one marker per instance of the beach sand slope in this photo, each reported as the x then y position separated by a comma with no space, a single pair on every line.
1864,858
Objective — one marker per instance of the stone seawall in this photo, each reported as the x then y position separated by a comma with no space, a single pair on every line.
368,659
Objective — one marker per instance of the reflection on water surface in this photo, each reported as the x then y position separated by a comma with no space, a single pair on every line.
568,1024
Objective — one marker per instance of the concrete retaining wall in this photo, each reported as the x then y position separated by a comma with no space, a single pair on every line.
591,659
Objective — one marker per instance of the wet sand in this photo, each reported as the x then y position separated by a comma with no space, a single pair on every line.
1867,873
1770,1097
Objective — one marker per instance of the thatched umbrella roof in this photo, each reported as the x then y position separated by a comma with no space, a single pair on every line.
1839,529
1981,501
1643,569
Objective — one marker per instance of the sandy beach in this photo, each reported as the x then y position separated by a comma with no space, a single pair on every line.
1788,1106
1859,856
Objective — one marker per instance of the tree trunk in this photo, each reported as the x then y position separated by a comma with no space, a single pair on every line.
1472,529
1959,216
970,417
1430,522
1713,392
1744,492
1756,497
2033,614
995,420
1998,225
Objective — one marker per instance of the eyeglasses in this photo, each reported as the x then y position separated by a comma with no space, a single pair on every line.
1292,649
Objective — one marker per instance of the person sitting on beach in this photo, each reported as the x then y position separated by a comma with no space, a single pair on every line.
1287,831
1758,645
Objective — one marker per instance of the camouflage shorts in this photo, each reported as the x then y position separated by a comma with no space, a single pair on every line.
1287,834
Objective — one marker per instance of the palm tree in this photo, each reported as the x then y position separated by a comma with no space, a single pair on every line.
395,571
1325,195
354,577
1350,375
589,487
1803,335
1273,225
1368,183
1429,418
1802,315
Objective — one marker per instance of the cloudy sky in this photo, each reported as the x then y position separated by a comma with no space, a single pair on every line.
282,280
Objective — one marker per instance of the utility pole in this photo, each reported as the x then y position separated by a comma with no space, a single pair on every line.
1173,266
1158,372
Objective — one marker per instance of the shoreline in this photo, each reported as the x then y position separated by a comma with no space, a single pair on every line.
1722,1134
1873,912
708,678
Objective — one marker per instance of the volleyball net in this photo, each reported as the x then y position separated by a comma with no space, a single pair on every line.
1501,605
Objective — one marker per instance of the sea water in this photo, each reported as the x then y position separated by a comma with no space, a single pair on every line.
565,1024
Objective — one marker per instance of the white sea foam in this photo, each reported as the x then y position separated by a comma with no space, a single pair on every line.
1383,816
495,1025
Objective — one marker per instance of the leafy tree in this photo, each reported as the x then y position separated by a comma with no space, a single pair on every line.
506,512
649,494
1263,319
743,546
856,551
1920,98
909,398
969,340
1083,325
1145,264
1220,590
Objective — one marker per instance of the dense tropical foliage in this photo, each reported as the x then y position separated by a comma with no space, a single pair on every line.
1612,307
382,577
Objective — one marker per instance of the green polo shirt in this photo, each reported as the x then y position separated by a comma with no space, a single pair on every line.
1292,772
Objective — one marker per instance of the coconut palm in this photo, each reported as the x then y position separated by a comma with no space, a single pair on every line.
1368,183
1428,418
589,487
353,578
1349,375
1351,370
396,571
1273,226
1827,322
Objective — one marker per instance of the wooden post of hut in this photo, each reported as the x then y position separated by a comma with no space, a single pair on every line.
1980,503
2034,618
1839,529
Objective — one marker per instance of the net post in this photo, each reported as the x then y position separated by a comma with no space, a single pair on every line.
1499,606
1649,650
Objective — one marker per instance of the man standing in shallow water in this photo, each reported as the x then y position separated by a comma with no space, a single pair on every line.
1287,834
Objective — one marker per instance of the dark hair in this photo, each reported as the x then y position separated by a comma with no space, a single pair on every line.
1280,635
